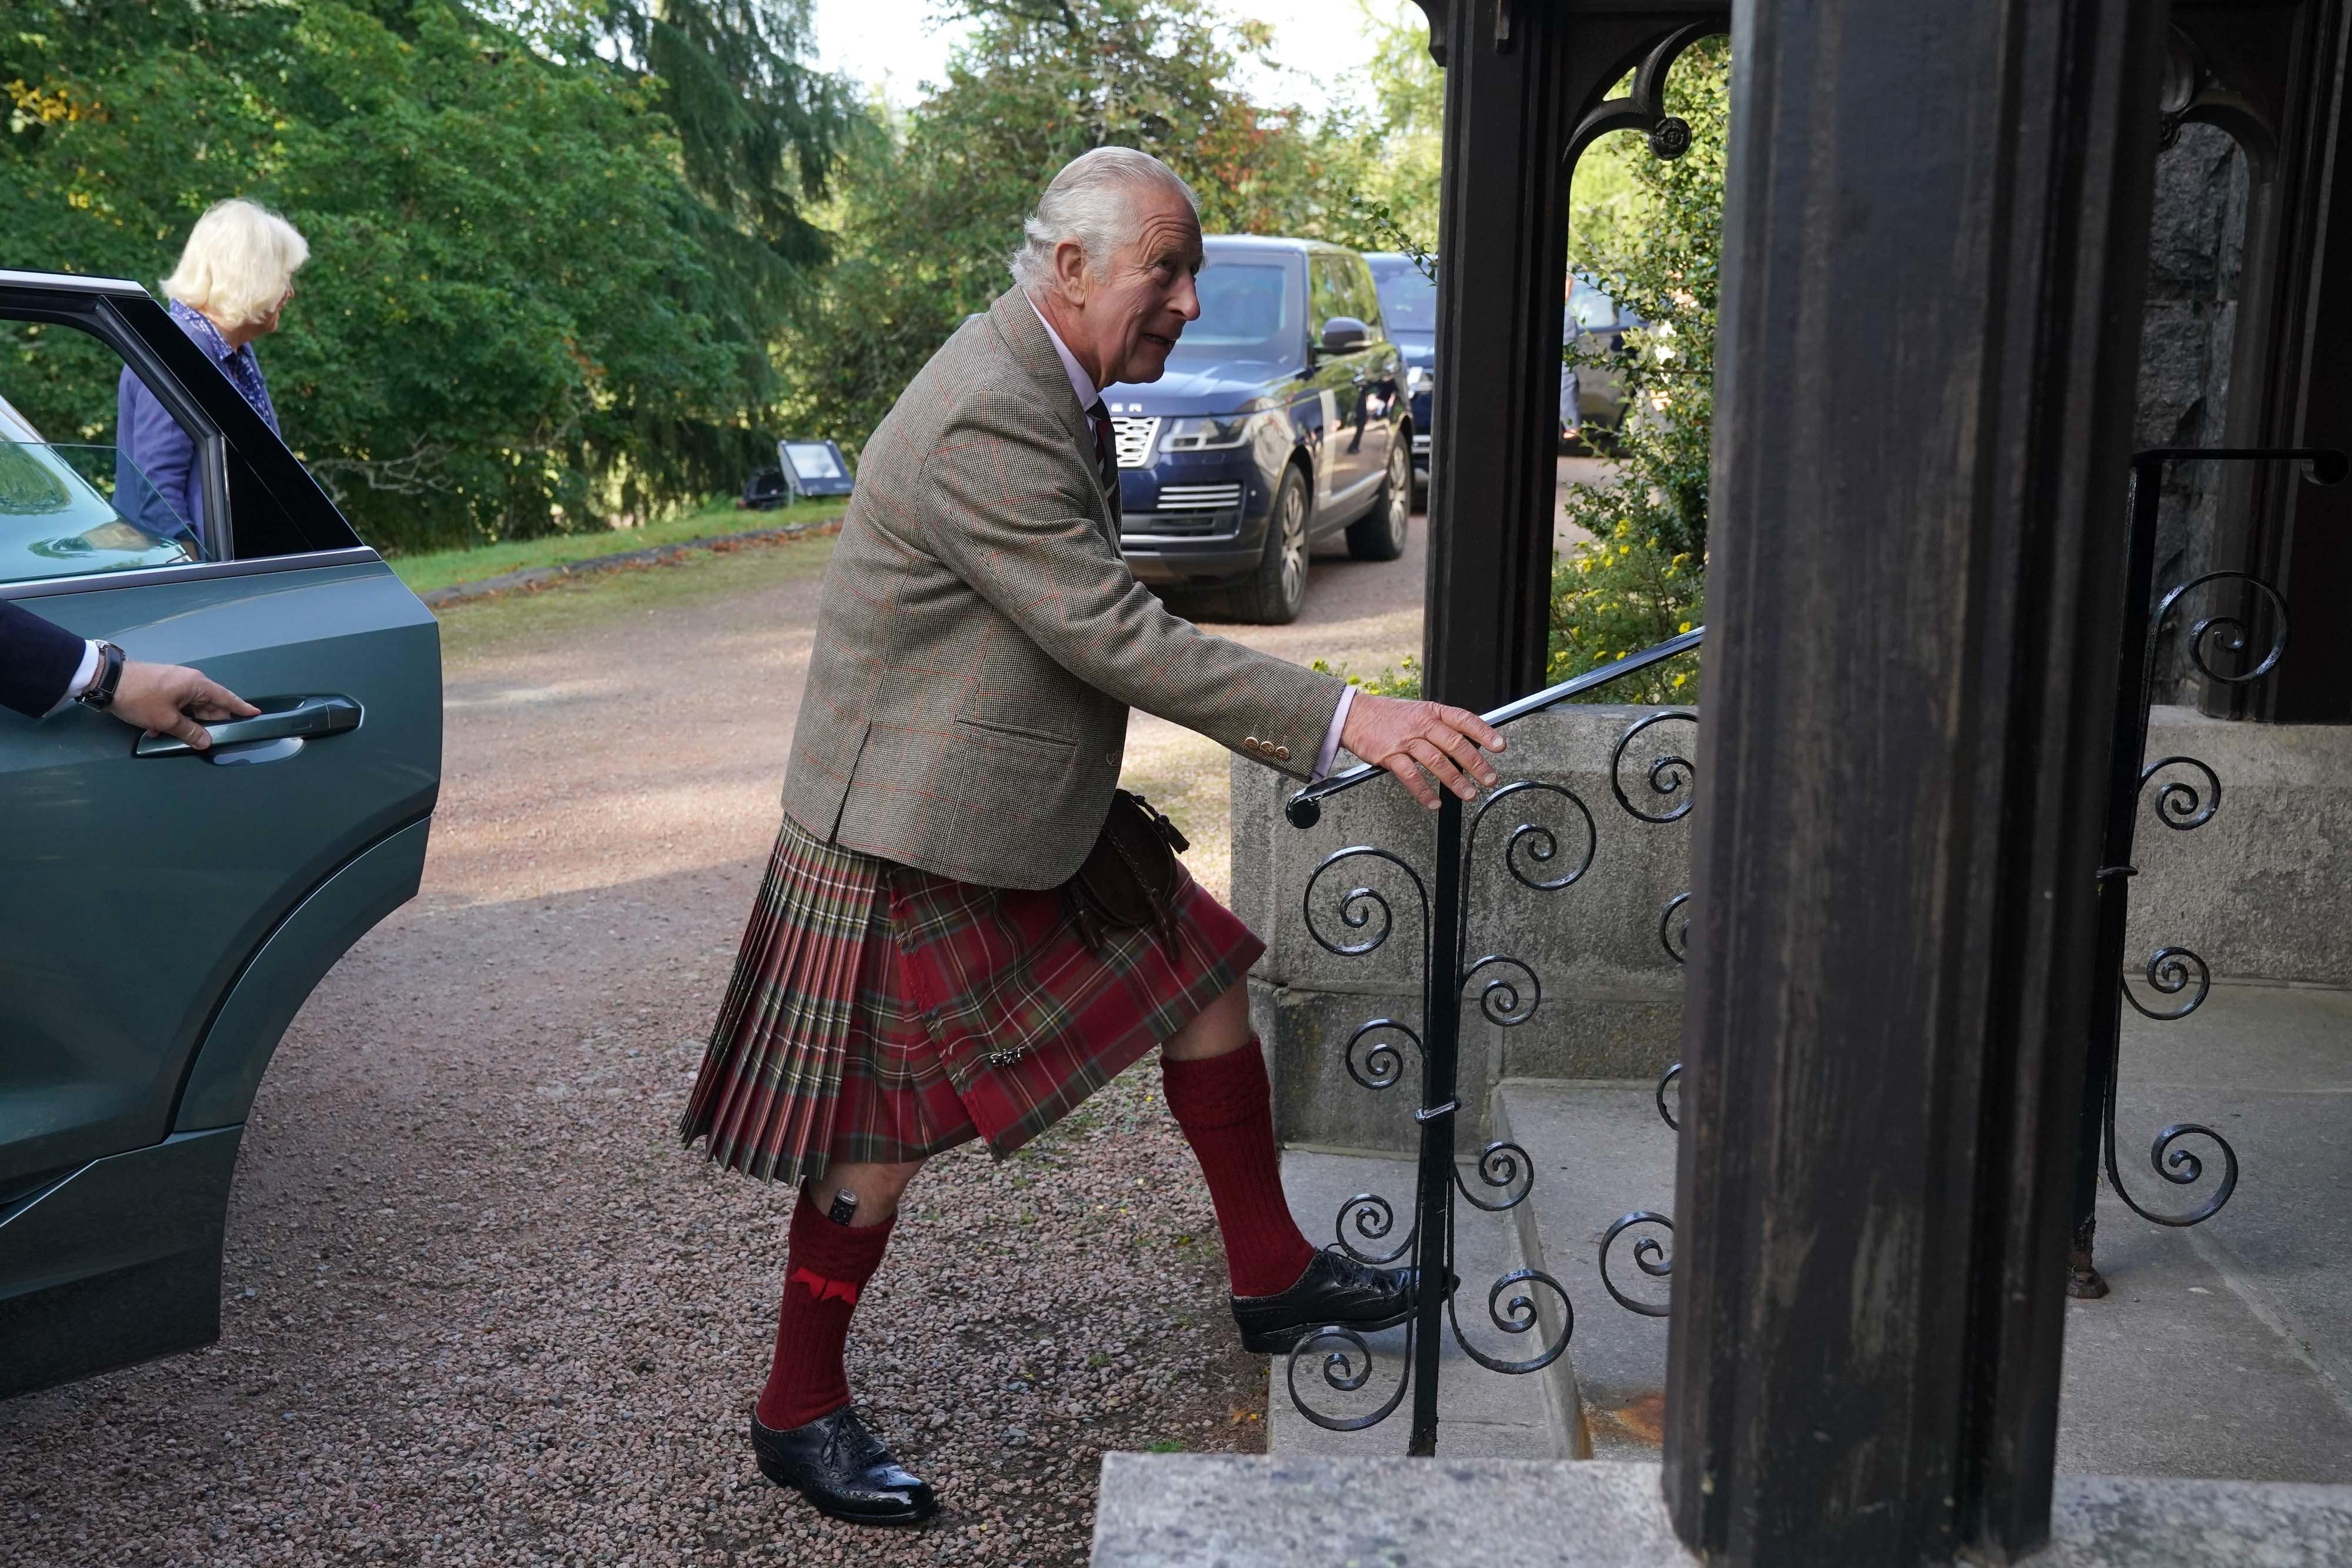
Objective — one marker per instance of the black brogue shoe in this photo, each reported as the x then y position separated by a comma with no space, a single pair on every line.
1336,1290
843,1469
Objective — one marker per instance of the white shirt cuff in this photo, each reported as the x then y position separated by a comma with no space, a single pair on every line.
1332,736
84,673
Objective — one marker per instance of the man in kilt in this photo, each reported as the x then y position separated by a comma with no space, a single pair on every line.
919,969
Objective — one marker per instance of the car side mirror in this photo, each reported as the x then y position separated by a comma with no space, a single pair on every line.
1345,335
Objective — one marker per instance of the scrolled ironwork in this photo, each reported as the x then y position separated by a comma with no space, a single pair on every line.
1534,840
1668,777
1500,999
1359,905
1382,1066
2179,1166
2227,633
1650,1256
1524,1317
1670,1079
1346,1369
2172,970
1500,1166
1675,938
2178,805
1374,1217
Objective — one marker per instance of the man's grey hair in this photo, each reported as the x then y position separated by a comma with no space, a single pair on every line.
1092,202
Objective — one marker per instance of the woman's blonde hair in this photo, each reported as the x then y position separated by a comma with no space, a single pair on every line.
239,260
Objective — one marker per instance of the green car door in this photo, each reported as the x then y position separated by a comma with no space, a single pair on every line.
164,913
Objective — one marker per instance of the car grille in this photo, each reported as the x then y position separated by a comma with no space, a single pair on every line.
1144,527
1421,446
1200,497
1133,440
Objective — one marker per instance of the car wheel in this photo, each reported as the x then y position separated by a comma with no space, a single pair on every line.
1277,592
1378,534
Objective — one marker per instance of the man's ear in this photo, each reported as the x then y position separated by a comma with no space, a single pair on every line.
1071,274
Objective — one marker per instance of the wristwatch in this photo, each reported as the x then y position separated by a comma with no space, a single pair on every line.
100,693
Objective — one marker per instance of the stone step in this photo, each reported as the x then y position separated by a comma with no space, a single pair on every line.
2223,1351
1481,1413
1249,1511
1599,1152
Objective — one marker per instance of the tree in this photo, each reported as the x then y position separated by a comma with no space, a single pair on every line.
521,313
932,210
1385,150
1655,250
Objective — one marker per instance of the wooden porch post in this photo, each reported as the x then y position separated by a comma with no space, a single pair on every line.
1936,242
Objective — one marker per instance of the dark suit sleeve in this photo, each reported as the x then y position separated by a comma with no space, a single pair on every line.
37,661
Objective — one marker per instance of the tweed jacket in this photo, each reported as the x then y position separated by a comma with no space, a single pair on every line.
980,639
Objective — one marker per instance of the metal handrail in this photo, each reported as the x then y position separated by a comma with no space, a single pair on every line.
1305,808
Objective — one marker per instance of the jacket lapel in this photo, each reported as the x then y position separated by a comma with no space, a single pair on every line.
1016,322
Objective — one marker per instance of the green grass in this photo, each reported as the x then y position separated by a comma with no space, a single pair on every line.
592,605
440,568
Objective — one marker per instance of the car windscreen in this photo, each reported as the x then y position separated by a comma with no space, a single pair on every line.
1250,309
1408,300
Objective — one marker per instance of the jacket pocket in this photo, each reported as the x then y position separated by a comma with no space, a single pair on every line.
1018,739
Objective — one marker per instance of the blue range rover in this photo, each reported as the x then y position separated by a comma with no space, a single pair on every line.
1282,420
1409,307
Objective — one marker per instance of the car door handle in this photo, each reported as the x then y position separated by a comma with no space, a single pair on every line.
282,718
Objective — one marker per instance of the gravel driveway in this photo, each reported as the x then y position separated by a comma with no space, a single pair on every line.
479,1308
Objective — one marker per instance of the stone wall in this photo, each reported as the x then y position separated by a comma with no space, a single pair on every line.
2259,892
1611,995
2196,252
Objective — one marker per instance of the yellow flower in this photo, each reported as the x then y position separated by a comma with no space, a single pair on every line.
1680,679
1686,626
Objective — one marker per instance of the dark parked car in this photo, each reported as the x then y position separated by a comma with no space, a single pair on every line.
1601,389
1409,308
1409,301
1281,421
163,911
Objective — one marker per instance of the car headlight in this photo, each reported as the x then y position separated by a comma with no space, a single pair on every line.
1417,378
1215,432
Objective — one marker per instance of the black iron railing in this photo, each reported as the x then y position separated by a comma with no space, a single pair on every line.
1553,844
2246,627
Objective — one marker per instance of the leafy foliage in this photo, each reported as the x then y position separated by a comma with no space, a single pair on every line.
929,218
1642,577
530,302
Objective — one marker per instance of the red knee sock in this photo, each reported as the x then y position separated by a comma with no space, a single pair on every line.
1224,1104
825,1268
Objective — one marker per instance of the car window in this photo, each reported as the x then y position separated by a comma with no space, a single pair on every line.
1250,309
1329,294
1367,298
1408,300
76,496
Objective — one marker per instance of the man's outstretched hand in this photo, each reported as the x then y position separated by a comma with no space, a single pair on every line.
168,699
1420,742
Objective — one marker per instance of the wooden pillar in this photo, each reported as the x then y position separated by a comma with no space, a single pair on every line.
1936,242
2275,77
1502,255
1526,88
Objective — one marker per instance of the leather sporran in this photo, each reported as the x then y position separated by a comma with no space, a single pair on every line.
1129,879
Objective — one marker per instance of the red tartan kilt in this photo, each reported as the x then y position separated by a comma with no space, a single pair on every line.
880,1013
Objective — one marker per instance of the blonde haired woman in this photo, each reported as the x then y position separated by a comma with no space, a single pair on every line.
234,276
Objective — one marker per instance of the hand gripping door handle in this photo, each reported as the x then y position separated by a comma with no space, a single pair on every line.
282,718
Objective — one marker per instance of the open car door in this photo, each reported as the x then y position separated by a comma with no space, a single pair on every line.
165,912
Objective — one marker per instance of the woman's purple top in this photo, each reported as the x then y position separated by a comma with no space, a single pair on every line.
150,445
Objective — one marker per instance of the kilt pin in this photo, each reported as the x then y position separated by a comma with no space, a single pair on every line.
912,979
